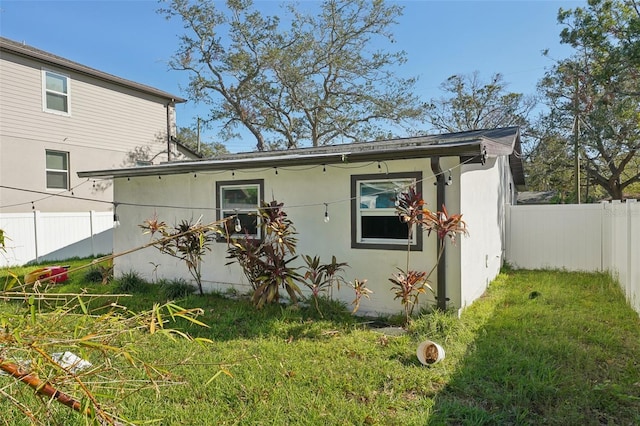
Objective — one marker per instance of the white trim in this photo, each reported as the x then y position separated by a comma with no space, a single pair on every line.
234,210
67,95
379,212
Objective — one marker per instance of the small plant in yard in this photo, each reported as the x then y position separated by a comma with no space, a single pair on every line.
361,290
101,273
266,263
132,282
187,241
175,289
409,284
321,277
93,275
408,288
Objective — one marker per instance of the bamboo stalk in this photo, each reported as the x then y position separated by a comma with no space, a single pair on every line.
40,386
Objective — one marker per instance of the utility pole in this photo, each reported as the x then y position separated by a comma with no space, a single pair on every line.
576,132
198,130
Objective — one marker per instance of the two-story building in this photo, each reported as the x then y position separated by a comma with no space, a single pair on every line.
58,117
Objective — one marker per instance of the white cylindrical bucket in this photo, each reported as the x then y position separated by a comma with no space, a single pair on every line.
429,352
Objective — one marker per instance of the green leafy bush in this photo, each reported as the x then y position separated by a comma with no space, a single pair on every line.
132,282
177,288
266,262
99,274
93,275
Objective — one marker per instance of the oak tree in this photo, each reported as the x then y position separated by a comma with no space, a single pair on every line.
293,78
469,103
593,95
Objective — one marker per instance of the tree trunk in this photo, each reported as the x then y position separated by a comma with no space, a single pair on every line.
615,190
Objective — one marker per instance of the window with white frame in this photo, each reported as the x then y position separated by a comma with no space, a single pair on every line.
240,199
374,221
55,92
57,170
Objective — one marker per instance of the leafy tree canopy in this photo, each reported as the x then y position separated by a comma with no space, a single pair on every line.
294,79
471,104
594,94
189,137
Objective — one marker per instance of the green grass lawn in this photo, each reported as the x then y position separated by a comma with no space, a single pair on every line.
541,347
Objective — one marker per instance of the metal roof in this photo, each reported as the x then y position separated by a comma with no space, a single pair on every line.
474,145
27,51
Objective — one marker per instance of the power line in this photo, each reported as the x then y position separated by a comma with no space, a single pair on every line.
49,195
315,204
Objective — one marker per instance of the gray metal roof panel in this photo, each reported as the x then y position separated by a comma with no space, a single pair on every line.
467,144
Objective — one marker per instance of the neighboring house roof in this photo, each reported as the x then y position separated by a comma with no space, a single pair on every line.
474,145
24,50
185,150
537,197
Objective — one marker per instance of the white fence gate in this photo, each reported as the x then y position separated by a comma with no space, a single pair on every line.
584,237
37,236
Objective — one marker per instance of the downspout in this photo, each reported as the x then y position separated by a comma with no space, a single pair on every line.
171,102
442,265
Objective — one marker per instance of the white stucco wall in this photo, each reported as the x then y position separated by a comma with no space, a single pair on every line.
486,190
471,263
303,190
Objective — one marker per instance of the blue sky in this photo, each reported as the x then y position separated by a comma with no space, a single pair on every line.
441,38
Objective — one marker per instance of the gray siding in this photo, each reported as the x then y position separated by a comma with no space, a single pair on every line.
106,122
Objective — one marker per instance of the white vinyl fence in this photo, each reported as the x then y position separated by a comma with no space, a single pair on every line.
37,236
585,237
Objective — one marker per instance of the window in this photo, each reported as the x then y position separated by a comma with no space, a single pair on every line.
374,221
55,92
241,198
57,170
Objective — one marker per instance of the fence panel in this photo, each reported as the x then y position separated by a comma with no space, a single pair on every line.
19,230
621,222
38,236
633,285
555,236
587,237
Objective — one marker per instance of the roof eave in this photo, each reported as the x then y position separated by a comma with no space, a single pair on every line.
476,149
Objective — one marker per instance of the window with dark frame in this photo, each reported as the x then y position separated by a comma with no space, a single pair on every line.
55,92
57,170
241,199
374,221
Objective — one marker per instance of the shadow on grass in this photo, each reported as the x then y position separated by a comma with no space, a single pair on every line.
231,319
227,318
558,348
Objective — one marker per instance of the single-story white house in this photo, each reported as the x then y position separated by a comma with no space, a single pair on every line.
475,173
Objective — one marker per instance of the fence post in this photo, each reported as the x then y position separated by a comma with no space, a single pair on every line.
506,247
603,234
91,219
36,222
628,284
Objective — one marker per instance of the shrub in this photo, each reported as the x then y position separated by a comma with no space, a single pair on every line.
177,288
187,241
93,275
266,262
410,284
320,277
132,282
99,274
